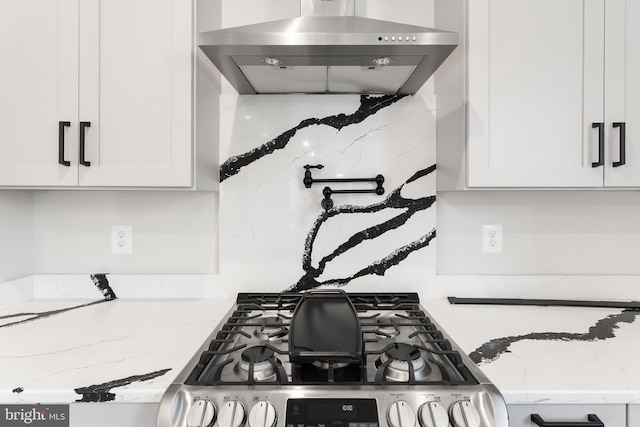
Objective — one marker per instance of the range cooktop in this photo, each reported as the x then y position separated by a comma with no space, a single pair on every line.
330,359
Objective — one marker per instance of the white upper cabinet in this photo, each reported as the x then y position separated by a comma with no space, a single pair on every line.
135,90
622,94
39,92
550,87
119,72
535,88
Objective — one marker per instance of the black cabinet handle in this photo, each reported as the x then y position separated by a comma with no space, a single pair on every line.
61,160
594,421
83,126
600,161
623,143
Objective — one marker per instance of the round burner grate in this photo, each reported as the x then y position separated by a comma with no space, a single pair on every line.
257,354
386,327
262,360
402,351
271,328
399,360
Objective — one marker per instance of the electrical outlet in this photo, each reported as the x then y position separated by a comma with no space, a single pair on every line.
121,239
492,238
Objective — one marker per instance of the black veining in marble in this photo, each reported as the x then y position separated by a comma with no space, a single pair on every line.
43,314
395,200
101,282
18,390
369,105
421,173
602,330
102,393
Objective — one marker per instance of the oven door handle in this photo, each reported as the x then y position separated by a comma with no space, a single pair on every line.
594,421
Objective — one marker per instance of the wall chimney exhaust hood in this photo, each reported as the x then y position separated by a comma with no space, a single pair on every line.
316,53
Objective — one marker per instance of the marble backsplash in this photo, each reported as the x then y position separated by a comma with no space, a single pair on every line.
274,234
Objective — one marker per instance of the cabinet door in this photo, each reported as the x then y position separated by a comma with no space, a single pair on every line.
535,87
39,89
135,91
622,68
633,415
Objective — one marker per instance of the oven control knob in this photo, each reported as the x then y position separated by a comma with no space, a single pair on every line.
263,414
231,414
433,414
201,414
463,414
400,414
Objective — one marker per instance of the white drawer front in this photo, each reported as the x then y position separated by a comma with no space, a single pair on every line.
633,415
610,415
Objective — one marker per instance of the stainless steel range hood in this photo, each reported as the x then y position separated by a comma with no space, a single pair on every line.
327,54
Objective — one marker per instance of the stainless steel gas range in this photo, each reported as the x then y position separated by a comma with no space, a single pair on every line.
330,359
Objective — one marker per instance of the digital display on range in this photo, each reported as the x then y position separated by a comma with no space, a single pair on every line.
322,409
332,413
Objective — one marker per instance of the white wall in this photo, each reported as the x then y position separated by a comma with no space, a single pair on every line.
252,11
545,232
16,234
173,232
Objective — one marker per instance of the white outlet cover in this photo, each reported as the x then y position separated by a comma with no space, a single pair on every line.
492,238
121,239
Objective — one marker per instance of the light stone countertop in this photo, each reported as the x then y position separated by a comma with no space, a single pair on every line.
75,346
66,350
549,354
